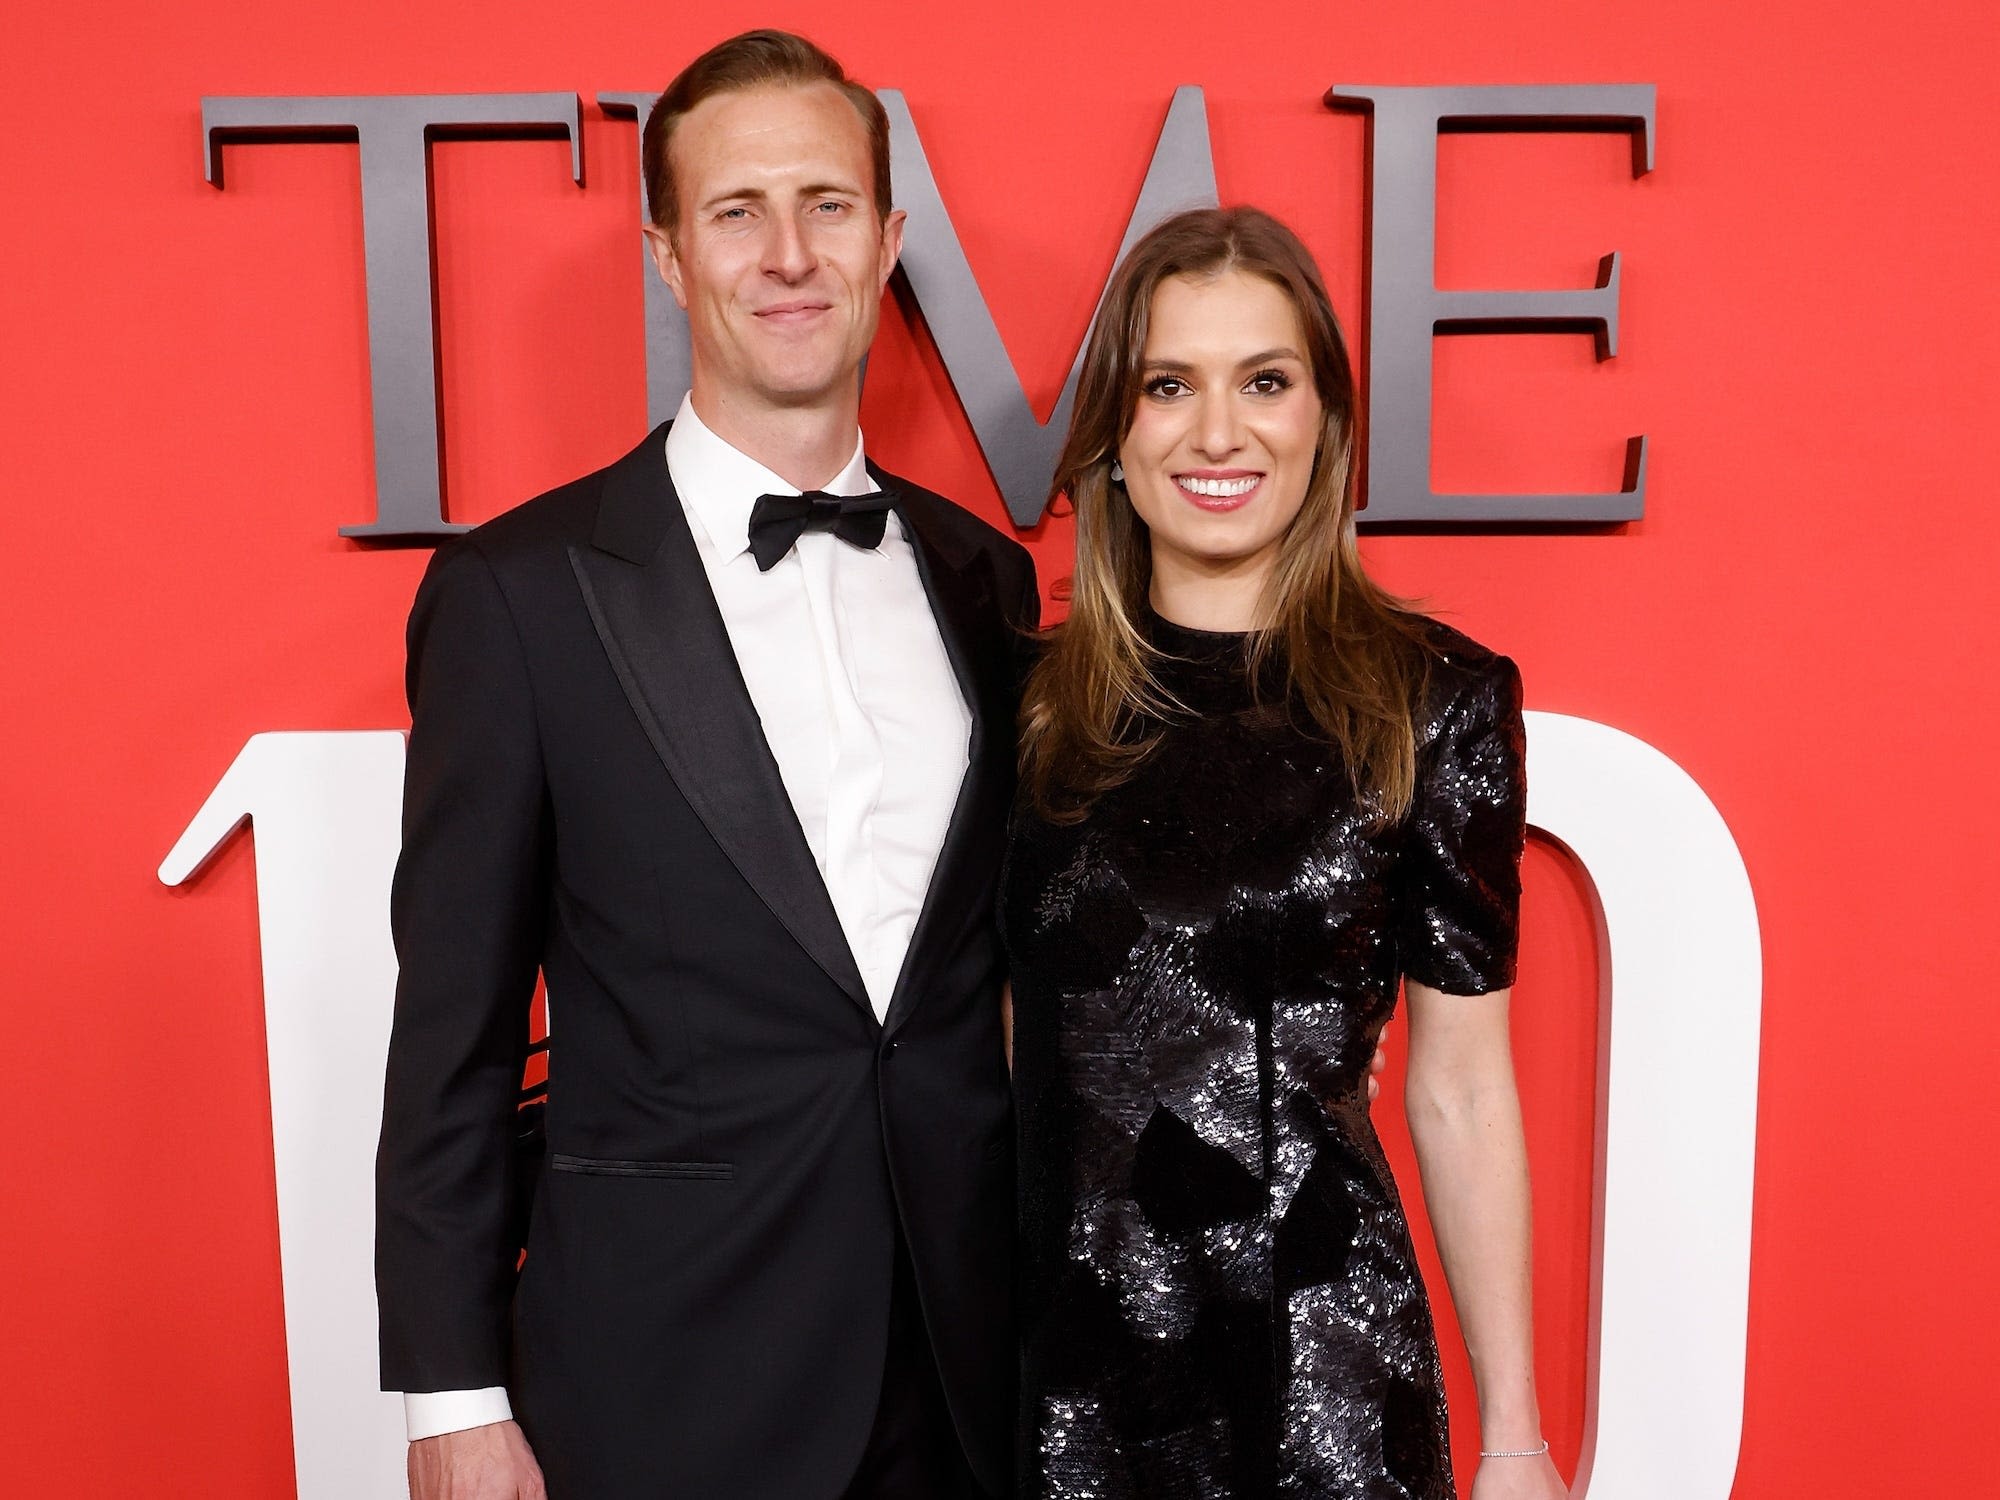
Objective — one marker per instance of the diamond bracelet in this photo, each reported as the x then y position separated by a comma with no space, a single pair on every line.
1515,1452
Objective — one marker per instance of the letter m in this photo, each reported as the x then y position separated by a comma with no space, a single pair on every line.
1019,450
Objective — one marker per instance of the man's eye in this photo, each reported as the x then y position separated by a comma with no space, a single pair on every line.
830,207
734,213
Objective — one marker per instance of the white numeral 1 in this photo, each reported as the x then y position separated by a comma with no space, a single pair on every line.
325,809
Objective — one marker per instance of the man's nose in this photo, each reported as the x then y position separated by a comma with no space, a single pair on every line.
787,254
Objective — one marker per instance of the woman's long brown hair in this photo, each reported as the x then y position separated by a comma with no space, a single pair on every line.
1353,655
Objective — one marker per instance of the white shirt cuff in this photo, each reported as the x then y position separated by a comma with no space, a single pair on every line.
430,1413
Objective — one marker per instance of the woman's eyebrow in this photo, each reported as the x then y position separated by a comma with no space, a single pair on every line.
1182,367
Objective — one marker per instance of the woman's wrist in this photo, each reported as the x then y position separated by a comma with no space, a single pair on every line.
1510,1426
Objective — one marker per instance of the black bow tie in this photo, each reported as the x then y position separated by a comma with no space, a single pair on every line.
777,521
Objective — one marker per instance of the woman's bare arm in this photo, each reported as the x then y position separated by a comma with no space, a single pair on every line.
1465,1120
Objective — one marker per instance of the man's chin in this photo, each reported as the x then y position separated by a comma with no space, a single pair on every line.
804,390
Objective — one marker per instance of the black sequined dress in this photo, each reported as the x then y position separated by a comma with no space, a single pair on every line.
1219,1297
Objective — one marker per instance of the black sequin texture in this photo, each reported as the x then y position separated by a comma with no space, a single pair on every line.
1220,1297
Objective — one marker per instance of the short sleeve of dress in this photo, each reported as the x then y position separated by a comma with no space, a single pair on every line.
1458,923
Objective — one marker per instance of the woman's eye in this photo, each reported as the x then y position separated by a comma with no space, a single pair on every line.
1269,382
1165,386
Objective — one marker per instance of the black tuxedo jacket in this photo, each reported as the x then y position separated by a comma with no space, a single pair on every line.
732,1137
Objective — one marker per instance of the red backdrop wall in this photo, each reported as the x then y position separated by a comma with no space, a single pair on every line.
1803,620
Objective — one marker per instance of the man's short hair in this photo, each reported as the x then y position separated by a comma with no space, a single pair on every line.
756,59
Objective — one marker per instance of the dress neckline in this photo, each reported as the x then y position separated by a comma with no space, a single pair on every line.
1186,640
1207,671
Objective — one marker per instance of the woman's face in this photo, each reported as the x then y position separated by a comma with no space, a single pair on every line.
1221,447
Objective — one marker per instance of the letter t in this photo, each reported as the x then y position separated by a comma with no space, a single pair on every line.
395,132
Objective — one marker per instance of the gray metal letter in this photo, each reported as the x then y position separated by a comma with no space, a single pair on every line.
1020,451
1405,307
395,132
669,359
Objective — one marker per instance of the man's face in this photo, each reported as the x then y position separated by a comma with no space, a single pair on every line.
779,257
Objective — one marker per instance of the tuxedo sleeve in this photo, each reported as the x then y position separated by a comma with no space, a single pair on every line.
1025,618
467,910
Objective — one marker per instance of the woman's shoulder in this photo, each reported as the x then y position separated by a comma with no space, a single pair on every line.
1463,678
1455,652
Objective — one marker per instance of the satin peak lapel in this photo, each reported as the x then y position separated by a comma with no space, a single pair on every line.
959,582
649,599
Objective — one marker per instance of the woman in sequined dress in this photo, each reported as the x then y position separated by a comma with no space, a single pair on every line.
1258,793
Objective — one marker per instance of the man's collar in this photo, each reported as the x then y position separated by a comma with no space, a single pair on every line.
718,482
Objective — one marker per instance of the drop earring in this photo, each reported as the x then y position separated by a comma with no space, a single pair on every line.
1117,472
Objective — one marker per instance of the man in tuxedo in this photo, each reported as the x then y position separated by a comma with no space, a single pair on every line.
717,740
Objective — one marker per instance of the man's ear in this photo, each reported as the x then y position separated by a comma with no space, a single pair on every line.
667,262
892,242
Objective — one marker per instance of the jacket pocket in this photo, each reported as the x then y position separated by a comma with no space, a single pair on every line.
599,1166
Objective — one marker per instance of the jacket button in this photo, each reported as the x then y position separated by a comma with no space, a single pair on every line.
889,1050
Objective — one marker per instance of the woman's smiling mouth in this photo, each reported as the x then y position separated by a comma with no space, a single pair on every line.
1219,489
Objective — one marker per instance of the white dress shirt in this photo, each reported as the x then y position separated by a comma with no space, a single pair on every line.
847,672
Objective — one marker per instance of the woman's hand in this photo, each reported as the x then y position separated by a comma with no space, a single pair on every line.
1518,1479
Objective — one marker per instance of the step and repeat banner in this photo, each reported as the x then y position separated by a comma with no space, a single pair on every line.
1677,357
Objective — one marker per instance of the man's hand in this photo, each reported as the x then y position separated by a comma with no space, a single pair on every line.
1375,1066
481,1463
